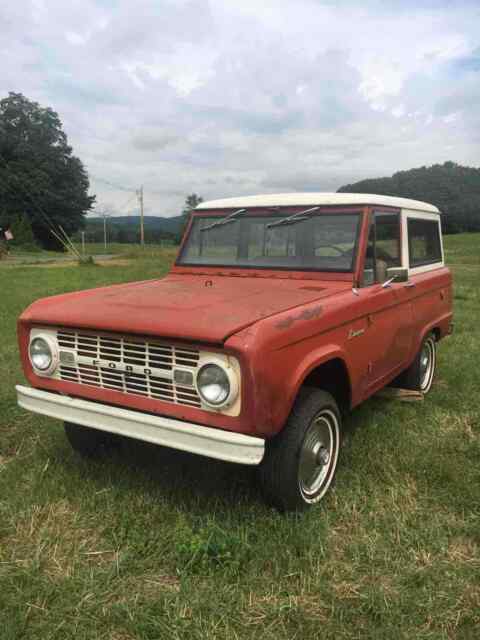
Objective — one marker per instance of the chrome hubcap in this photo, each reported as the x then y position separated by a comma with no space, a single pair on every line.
323,456
318,455
426,364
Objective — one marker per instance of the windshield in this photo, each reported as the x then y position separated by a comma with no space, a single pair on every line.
322,242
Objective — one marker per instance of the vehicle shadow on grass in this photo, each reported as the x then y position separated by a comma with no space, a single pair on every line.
185,480
196,483
203,483
189,481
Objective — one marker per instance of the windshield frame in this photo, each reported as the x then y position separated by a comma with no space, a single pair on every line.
256,212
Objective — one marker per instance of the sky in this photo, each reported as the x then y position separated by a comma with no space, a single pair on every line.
224,98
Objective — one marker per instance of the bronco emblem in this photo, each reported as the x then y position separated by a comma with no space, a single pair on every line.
355,334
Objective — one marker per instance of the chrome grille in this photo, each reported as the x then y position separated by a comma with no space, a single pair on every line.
117,362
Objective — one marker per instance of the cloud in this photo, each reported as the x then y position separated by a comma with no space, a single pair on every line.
224,98
153,140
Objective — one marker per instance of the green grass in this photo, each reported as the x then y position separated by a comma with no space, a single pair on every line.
156,544
128,249
463,248
33,254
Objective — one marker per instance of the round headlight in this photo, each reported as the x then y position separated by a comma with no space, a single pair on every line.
41,354
213,384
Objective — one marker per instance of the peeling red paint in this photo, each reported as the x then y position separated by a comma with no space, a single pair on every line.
306,314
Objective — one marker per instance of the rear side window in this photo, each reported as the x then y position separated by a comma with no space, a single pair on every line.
424,242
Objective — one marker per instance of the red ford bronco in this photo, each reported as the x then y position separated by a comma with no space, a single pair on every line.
281,313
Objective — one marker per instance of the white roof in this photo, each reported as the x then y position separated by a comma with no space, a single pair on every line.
291,199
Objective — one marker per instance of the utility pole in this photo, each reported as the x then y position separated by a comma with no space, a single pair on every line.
105,216
83,242
140,199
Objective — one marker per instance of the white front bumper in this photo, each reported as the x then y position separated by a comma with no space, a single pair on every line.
167,432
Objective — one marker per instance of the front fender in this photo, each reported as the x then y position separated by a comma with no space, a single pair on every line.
287,386
313,360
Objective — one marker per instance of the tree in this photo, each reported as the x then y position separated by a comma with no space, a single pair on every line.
191,202
454,189
39,175
122,236
22,231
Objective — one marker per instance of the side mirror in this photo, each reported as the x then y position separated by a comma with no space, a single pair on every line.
399,274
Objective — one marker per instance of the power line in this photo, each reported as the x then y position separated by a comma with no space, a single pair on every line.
112,184
98,211
128,201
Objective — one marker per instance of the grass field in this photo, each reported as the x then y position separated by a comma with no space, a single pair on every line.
147,252
156,544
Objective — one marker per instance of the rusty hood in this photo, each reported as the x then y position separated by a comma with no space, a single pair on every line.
184,306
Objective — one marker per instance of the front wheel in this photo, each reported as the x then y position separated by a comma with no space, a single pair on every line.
301,461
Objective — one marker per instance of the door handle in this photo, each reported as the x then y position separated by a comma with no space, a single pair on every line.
409,285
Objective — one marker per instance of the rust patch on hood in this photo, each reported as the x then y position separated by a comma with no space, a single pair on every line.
306,314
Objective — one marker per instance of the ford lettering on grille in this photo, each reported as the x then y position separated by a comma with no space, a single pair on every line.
127,364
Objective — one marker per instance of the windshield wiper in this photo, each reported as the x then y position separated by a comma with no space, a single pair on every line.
296,217
231,218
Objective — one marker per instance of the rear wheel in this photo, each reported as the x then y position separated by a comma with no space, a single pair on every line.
301,461
419,376
88,442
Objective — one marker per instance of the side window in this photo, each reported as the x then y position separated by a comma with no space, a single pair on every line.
387,238
424,242
369,274
383,248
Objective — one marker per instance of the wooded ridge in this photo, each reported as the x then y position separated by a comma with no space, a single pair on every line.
454,189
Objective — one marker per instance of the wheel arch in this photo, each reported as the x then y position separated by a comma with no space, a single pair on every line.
332,376
433,327
328,371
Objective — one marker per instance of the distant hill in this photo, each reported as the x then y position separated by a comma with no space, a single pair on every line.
127,228
454,189
172,225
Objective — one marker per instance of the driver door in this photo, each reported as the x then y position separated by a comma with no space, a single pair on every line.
388,306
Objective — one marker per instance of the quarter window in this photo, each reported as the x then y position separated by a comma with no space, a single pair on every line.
424,242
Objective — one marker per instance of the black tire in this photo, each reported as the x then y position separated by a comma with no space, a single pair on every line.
300,462
420,374
88,442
